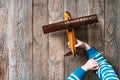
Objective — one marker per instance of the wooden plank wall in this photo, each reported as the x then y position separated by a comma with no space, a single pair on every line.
19,39
3,40
40,41
28,54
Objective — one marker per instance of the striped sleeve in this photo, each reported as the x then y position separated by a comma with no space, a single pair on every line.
78,74
105,71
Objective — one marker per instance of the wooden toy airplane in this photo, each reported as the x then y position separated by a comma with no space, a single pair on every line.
70,35
69,24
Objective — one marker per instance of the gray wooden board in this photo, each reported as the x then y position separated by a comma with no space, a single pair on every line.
56,42
3,46
19,36
40,40
112,33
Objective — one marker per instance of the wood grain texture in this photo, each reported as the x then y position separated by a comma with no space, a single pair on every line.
3,64
26,53
40,40
112,33
56,42
3,46
97,7
19,36
96,31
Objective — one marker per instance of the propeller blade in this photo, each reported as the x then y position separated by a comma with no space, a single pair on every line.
68,54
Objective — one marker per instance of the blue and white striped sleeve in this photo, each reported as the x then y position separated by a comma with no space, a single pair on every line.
105,71
78,74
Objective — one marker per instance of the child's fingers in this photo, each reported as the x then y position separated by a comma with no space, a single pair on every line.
97,67
68,43
77,41
77,45
69,46
94,61
96,64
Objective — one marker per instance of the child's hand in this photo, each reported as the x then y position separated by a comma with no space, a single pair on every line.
90,65
81,45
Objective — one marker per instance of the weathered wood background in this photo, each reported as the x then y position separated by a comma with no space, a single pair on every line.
27,54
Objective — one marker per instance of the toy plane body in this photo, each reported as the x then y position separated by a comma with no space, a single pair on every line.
70,34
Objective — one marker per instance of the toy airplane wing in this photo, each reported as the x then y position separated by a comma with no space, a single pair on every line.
72,23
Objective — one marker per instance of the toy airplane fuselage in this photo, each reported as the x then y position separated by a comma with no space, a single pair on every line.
69,24
70,34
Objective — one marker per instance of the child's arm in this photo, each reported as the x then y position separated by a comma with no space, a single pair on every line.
105,71
80,72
